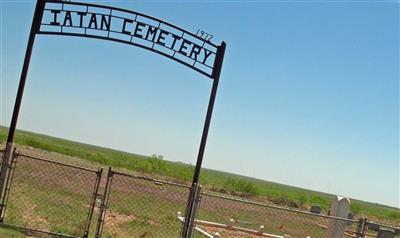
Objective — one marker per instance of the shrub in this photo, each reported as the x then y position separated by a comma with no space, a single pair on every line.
246,188
157,164
394,215
303,199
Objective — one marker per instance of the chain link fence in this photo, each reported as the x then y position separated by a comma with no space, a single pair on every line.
136,206
374,229
46,198
233,217
50,197
1,158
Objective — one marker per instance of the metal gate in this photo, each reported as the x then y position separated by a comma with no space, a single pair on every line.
45,196
137,206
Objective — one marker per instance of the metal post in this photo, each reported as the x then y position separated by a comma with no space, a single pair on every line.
37,18
361,228
8,184
95,195
216,75
190,217
104,203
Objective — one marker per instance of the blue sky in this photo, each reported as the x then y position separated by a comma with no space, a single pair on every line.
309,92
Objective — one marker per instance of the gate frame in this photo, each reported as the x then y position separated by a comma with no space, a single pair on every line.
194,202
10,170
95,195
362,226
9,179
107,191
104,204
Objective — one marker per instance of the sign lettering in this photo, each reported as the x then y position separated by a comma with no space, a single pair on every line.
79,19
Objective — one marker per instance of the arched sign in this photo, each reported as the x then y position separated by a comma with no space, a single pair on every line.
129,27
68,18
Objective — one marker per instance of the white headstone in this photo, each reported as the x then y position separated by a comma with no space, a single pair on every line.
231,223
261,230
340,208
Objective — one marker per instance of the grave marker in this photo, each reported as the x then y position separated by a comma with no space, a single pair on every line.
340,208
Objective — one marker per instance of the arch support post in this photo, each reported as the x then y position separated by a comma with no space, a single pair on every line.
191,204
37,18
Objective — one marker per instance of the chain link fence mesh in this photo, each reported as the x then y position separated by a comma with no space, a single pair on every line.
1,157
233,217
54,197
49,196
143,207
373,229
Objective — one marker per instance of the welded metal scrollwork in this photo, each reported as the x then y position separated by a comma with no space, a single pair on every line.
110,23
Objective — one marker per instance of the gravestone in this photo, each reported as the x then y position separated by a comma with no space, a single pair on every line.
339,208
373,227
351,217
385,234
315,209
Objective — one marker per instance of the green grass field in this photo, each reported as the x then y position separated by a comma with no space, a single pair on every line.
213,180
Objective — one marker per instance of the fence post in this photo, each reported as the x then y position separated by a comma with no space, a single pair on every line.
192,207
95,195
104,203
7,157
8,176
362,227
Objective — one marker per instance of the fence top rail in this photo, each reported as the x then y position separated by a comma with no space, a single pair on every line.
384,225
276,207
56,162
151,179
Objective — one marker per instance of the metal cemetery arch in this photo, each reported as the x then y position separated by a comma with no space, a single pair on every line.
54,17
